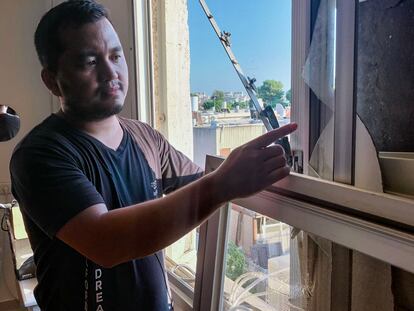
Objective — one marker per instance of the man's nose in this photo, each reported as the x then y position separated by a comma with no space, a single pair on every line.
108,71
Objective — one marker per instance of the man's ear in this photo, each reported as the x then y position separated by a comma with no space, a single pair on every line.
49,79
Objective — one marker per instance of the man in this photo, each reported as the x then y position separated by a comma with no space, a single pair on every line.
90,184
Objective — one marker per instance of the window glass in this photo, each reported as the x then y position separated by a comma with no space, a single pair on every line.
319,75
223,118
258,262
272,266
384,92
181,258
380,111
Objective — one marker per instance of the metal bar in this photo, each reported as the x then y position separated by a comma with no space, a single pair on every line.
267,114
384,209
210,254
344,93
386,244
300,111
247,82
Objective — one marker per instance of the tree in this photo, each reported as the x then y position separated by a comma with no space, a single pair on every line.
289,96
234,104
271,91
208,104
218,99
236,261
244,105
218,95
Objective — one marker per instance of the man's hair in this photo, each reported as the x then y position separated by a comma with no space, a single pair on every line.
72,13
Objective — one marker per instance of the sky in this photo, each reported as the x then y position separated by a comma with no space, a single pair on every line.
261,42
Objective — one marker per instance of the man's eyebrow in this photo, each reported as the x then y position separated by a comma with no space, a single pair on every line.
117,48
90,52
85,53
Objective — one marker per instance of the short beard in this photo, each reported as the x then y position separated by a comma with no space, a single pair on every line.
90,114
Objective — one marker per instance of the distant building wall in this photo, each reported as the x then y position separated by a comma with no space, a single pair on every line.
205,142
234,136
222,139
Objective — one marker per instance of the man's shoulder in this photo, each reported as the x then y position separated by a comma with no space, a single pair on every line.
46,138
47,130
135,124
140,130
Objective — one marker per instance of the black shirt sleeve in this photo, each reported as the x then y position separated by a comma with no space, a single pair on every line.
50,187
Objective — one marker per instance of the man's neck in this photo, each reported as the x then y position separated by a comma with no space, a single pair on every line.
108,130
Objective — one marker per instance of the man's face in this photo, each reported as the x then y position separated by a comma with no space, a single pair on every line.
92,74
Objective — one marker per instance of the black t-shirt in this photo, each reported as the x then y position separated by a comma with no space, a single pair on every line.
57,171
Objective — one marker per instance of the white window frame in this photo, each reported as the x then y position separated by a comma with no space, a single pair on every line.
376,224
210,276
142,19
379,225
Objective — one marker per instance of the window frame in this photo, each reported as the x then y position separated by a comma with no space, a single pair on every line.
216,235
144,80
319,207
379,225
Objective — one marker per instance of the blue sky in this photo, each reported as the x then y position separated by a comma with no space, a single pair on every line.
261,42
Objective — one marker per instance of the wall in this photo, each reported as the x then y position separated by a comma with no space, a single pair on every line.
171,60
205,142
22,89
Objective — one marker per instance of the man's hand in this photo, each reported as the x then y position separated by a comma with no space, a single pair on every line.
253,166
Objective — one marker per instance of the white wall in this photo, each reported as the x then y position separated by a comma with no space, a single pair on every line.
22,89
173,117
205,142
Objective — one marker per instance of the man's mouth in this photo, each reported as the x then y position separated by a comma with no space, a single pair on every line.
111,89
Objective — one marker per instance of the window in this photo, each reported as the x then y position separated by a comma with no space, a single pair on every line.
348,222
257,269
222,118
340,54
338,239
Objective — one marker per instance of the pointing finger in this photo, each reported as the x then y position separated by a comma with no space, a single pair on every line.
270,137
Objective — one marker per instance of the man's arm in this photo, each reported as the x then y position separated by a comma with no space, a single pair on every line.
113,237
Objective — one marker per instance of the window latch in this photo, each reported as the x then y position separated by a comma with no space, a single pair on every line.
297,159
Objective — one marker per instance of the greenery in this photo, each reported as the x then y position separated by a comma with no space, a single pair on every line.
289,96
236,262
216,101
218,95
242,105
208,104
271,91
233,104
